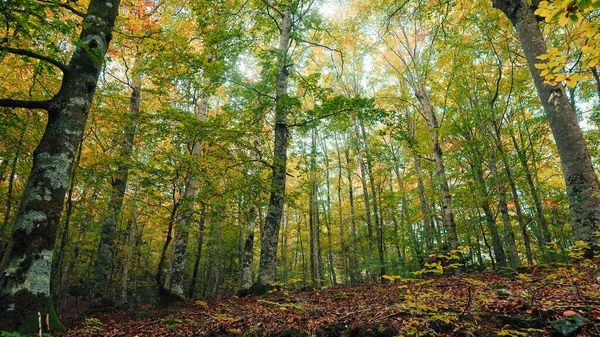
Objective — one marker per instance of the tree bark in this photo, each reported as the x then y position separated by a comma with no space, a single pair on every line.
185,216
537,201
490,220
25,267
315,247
200,241
9,193
57,272
376,215
363,180
430,116
103,294
344,249
583,188
355,277
270,234
509,236
328,221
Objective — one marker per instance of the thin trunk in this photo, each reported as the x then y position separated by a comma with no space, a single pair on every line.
537,201
354,265
118,187
430,116
200,241
328,221
340,214
270,234
186,215
597,80
315,249
509,236
124,277
363,180
514,191
377,216
3,168
160,273
583,187
425,208
9,193
490,220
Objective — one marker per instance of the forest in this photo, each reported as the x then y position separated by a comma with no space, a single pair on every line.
299,168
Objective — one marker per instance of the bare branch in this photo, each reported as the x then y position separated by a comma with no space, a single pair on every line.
29,53
16,103
328,48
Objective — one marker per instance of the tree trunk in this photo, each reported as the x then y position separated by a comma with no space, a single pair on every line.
11,183
509,236
490,220
537,201
596,79
363,180
57,272
583,188
328,221
270,234
186,215
425,208
25,267
163,294
315,247
355,277
430,116
344,248
377,216
103,294
200,242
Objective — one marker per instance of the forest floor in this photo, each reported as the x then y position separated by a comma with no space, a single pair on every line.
538,301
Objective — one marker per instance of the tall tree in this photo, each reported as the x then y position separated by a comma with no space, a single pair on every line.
25,267
583,187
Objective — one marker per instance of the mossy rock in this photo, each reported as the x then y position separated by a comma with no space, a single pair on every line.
243,293
166,298
19,313
258,289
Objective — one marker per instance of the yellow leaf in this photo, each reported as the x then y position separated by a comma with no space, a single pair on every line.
541,65
543,57
563,20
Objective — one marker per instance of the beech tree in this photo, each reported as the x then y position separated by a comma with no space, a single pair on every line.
583,187
25,267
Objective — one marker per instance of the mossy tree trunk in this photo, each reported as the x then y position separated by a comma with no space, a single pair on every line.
25,267
270,234
102,292
185,216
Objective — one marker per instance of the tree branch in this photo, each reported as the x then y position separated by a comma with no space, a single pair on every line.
65,6
326,47
16,103
29,53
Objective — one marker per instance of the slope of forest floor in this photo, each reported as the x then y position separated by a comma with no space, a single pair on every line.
557,301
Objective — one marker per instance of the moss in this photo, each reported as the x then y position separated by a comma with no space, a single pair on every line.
258,289
19,312
292,332
140,315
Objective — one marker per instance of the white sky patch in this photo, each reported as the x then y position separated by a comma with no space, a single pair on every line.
330,8
248,67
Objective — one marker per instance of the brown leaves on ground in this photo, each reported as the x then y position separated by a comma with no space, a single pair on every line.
532,303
